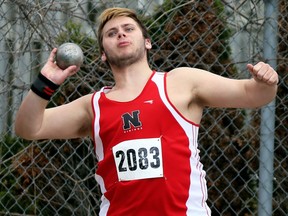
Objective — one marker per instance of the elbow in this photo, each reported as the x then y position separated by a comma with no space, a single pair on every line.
261,102
260,97
25,136
271,95
22,132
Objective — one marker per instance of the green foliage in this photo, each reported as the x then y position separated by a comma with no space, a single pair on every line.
10,189
60,167
80,84
10,145
200,33
156,23
198,30
74,34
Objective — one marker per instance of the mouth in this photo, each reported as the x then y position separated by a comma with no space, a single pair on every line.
123,44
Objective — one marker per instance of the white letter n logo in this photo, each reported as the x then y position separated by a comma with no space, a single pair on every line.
130,120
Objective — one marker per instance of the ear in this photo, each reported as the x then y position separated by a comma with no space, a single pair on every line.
103,57
148,44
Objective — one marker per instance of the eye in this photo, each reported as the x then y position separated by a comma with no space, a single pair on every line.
111,34
129,29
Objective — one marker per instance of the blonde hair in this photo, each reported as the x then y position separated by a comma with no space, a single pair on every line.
111,13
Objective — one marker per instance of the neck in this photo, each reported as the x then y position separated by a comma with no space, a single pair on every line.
135,75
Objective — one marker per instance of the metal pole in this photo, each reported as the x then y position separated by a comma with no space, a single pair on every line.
268,115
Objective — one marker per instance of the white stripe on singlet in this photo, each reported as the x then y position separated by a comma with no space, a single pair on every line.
99,152
196,203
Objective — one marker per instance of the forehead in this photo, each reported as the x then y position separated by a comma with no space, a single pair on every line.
118,22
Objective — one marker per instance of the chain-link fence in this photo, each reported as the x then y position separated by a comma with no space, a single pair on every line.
245,152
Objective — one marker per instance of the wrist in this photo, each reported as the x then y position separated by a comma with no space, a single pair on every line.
44,87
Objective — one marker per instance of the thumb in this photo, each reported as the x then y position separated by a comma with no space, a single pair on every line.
250,67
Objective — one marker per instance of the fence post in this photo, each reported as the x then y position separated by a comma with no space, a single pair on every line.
268,115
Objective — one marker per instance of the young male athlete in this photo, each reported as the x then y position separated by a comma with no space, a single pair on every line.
145,127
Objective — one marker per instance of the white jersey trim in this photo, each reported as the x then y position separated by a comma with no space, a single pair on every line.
99,148
99,152
198,188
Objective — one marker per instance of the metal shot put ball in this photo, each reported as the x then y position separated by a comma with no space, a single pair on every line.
69,54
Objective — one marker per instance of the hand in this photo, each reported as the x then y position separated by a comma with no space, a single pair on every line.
52,72
263,72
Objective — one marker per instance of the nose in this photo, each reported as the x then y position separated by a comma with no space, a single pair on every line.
121,34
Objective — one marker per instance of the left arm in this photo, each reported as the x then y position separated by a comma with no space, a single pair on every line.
192,89
245,93
205,89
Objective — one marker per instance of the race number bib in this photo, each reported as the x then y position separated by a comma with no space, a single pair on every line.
138,159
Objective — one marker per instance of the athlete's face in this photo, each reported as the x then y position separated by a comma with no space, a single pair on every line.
123,42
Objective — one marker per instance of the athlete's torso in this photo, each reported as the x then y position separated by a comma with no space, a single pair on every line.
148,157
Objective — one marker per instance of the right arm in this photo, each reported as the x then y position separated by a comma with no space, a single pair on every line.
33,121
72,120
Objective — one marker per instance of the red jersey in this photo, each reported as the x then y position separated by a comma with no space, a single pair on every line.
149,162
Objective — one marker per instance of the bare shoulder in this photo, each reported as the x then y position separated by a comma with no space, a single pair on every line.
184,71
187,74
203,87
86,98
182,76
182,89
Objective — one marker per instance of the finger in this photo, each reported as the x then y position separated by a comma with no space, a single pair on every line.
273,79
263,72
259,70
257,67
252,71
250,68
71,70
52,55
268,73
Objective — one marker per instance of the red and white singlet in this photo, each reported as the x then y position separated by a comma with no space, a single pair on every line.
149,162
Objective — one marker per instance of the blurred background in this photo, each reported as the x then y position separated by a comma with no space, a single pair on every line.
244,152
